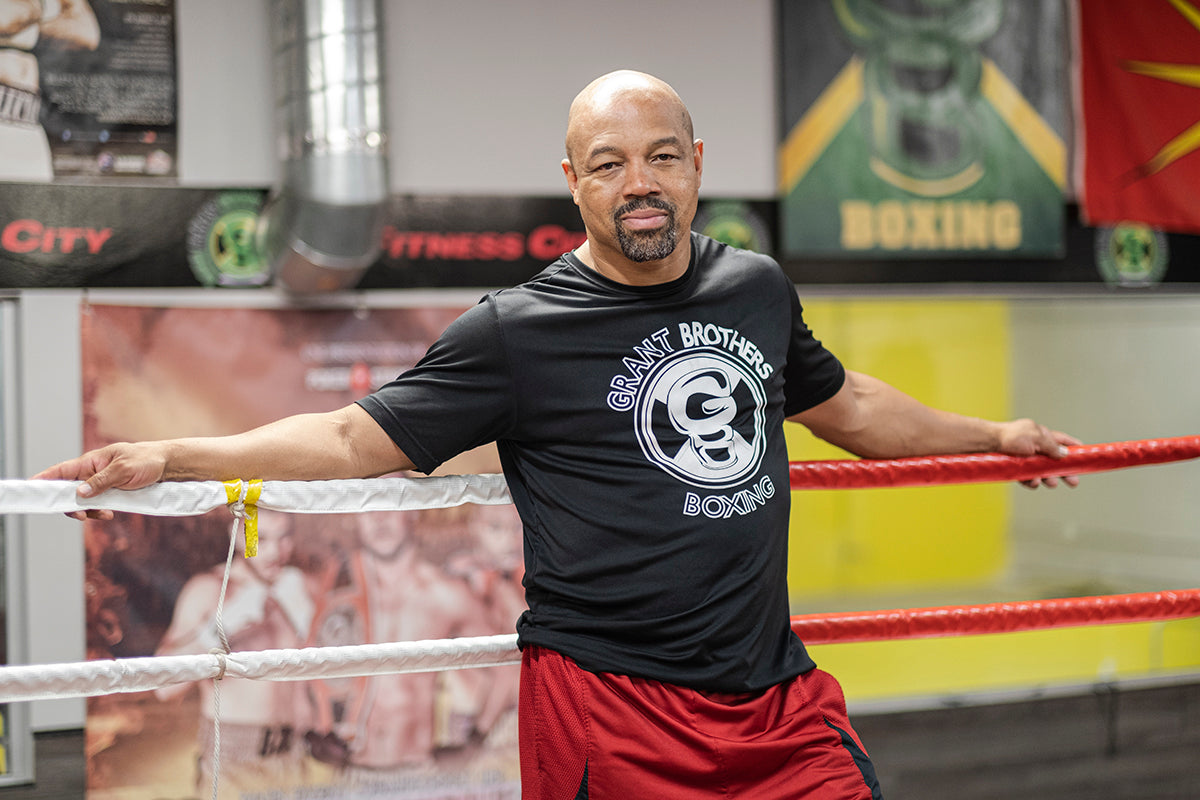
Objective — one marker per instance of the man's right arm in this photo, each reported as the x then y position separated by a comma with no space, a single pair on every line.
346,443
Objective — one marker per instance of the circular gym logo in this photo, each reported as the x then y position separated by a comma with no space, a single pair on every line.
1131,254
222,244
700,418
733,223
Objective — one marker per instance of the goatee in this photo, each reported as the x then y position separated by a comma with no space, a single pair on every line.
642,246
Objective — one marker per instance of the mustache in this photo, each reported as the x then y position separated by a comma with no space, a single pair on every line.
644,202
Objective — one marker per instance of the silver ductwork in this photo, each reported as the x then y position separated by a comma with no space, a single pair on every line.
323,226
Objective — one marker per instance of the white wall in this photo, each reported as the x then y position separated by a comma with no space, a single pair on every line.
226,134
477,99
1108,369
477,91
51,403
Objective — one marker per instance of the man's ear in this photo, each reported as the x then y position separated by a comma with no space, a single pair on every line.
572,179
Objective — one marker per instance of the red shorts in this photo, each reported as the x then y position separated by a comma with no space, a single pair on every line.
602,736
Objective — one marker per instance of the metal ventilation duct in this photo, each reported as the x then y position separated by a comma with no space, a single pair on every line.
322,228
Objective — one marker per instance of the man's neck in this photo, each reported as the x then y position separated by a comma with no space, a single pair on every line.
616,267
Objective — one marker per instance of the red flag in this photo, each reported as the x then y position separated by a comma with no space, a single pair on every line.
1138,114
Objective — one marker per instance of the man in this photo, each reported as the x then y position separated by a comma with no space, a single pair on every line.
71,24
267,606
384,729
636,390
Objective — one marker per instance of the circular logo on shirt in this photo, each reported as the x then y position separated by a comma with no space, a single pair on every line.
700,418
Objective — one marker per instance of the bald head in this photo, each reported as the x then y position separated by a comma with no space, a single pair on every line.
605,100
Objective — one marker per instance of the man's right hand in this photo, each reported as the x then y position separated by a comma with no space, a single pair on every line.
118,466
346,443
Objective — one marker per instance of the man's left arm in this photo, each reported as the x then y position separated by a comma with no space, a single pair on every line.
872,419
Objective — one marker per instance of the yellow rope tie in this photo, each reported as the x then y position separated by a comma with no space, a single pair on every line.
243,498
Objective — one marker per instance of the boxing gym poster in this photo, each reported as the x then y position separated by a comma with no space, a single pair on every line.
87,90
927,131
318,579
1138,116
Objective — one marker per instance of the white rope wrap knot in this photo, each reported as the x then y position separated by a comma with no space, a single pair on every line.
238,506
222,662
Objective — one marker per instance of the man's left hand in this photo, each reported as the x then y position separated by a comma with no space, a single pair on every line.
1024,437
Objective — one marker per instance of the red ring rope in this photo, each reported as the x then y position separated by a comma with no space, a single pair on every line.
998,617
987,467
1027,615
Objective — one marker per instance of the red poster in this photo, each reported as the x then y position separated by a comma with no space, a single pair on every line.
318,579
1139,112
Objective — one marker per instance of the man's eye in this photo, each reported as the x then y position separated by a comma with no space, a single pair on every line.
606,166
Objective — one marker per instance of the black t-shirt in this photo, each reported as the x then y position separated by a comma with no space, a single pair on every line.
640,432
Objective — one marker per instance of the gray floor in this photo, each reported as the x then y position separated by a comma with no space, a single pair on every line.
59,767
1131,744
1102,745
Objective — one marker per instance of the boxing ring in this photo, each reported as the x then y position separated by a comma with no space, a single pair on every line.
19,683
244,498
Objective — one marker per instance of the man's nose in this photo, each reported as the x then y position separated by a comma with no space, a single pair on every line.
640,180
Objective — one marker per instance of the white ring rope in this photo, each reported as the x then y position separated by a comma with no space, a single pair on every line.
188,498
89,678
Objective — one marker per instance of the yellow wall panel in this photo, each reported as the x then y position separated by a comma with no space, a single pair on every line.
953,354
850,547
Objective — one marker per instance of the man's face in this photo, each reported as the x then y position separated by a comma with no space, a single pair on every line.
634,172
383,533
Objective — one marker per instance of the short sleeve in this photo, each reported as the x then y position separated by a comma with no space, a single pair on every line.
813,374
458,396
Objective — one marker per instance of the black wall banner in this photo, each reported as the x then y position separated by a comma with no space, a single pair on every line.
114,236
127,236
464,241
1129,255
501,241
92,236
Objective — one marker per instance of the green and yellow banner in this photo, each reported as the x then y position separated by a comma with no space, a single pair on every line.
922,129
